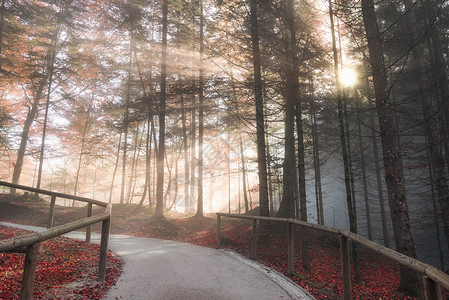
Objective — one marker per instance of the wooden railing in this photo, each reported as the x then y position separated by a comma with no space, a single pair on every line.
30,243
433,279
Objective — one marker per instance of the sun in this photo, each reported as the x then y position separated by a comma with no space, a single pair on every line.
348,77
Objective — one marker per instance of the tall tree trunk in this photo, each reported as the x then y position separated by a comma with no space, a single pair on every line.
147,162
200,208
126,117
287,207
238,180
51,67
436,219
193,156
150,133
302,187
135,164
390,146
380,193
349,151
242,157
186,156
83,142
316,158
293,103
159,212
228,156
31,115
260,129
350,201
115,168
269,175
364,180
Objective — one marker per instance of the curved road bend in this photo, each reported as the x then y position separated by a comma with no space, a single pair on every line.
162,269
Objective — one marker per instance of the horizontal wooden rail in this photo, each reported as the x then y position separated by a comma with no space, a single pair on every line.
30,243
430,273
38,237
55,194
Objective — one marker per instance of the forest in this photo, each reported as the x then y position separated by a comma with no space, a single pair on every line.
331,112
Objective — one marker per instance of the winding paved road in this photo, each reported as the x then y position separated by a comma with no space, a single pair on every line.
161,269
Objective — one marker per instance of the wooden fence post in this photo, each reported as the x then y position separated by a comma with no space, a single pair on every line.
89,228
432,290
104,249
291,247
218,231
346,267
29,272
52,211
254,240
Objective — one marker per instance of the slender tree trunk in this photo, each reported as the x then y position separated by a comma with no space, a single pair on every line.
115,168
350,201
51,67
159,213
147,163
228,156
301,165
200,207
25,134
269,175
349,151
126,117
186,156
136,164
391,147
83,141
153,189
199,210
302,187
260,131
249,193
150,133
133,165
238,180
364,180
380,192
316,159
242,157
437,222
193,156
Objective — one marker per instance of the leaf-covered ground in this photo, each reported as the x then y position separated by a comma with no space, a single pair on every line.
65,269
380,276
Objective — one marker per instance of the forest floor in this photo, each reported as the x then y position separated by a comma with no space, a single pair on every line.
379,276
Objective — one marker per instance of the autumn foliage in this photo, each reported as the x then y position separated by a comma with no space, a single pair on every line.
62,262
65,260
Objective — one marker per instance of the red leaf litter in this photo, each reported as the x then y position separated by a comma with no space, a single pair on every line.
66,269
380,276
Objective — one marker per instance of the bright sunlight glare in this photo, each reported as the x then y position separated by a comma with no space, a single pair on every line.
348,77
